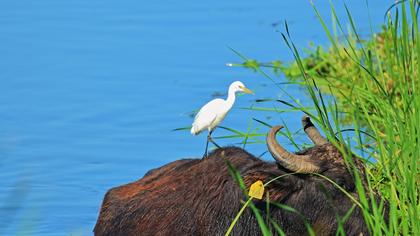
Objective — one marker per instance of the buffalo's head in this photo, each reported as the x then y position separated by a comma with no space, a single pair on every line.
324,158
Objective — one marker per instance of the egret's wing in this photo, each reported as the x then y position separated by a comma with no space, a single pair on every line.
206,116
210,109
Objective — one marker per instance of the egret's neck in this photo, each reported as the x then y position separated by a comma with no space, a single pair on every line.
231,98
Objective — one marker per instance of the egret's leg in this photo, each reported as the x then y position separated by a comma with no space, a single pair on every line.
207,145
211,140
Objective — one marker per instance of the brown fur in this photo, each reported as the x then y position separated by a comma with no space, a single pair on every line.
200,197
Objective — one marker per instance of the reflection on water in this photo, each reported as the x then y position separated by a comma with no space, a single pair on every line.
91,90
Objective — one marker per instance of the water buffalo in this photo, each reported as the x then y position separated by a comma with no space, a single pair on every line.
200,196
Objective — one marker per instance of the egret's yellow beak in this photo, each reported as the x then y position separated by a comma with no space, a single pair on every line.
246,90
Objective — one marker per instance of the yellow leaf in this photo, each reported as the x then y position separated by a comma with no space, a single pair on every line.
257,190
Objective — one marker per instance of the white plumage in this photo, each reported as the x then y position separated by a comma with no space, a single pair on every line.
212,113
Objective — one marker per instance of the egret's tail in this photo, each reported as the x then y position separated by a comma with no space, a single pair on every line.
194,130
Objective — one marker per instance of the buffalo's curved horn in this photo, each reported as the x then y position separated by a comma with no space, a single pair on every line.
312,131
290,161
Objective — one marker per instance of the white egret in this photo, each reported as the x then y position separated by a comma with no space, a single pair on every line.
211,114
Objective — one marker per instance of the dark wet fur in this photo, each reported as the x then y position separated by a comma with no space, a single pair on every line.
200,197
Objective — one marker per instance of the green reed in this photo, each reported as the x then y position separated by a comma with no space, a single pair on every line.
375,88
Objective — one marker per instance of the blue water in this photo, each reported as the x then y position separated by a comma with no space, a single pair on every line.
91,90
